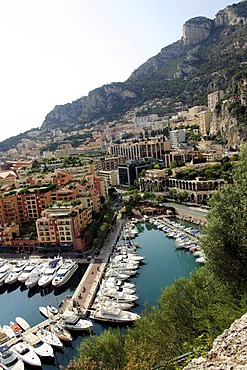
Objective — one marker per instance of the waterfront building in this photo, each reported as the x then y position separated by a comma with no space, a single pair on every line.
63,226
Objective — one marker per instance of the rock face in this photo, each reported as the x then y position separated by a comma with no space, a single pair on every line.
229,350
227,127
232,15
196,30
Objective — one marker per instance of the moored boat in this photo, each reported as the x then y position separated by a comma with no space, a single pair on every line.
27,355
48,311
49,337
42,349
115,315
22,323
64,273
9,360
50,272
69,320
27,271
9,331
60,332
15,272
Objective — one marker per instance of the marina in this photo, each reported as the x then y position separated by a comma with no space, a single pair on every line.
148,283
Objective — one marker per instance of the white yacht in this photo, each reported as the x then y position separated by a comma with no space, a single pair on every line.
50,272
36,274
64,273
9,360
24,353
62,333
108,302
71,321
22,323
120,296
9,331
48,311
105,288
15,273
112,314
112,282
27,271
37,345
5,270
48,337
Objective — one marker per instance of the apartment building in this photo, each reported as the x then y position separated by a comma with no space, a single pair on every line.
110,176
142,149
177,137
109,163
62,226
9,210
204,120
214,98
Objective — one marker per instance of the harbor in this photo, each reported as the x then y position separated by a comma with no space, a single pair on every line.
148,282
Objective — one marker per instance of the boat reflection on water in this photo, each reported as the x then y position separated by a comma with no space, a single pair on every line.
12,287
47,290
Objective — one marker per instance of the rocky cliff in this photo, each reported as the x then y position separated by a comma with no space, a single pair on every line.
229,350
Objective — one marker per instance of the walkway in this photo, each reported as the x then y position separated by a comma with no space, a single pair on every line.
85,293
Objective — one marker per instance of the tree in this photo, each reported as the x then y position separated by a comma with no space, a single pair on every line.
225,236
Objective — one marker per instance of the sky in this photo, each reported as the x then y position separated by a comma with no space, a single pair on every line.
55,51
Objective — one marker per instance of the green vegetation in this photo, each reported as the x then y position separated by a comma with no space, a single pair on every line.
190,313
216,171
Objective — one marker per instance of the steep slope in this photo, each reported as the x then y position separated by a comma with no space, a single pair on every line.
204,59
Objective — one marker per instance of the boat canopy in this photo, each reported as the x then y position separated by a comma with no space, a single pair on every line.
54,262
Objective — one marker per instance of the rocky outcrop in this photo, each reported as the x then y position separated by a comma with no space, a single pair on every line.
229,350
227,127
232,15
196,30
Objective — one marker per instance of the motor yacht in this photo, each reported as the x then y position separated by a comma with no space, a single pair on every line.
9,331
108,302
9,360
27,271
62,333
48,311
49,337
42,349
64,273
71,321
120,296
36,274
113,314
27,355
5,270
15,272
50,272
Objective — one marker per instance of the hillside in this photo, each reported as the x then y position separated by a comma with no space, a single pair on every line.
206,57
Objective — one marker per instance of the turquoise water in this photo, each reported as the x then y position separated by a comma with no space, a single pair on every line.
163,264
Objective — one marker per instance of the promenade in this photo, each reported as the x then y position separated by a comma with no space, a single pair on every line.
84,295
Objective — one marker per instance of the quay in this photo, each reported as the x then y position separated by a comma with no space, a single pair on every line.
181,231
85,293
